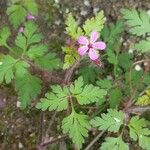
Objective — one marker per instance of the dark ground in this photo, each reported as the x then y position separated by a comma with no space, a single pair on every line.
19,129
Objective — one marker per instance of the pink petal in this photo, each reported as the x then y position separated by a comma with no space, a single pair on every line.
30,17
21,29
93,54
83,40
94,36
82,50
99,45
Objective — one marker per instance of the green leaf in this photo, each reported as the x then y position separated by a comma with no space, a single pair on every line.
105,83
90,94
112,58
71,55
21,68
139,131
86,94
31,33
4,34
143,46
111,32
49,61
17,14
7,69
89,73
54,100
111,121
31,6
138,22
77,126
36,51
18,11
114,144
95,23
144,100
124,61
21,41
115,97
28,88
11,68
77,87
72,27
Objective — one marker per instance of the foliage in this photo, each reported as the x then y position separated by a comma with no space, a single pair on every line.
72,27
29,50
105,83
74,31
138,22
28,87
86,94
115,97
89,73
83,94
55,100
11,67
90,90
144,99
77,126
95,23
71,56
110,121
114,143
4,34
143,46
139,131
18,11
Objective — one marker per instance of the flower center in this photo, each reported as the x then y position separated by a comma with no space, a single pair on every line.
90,46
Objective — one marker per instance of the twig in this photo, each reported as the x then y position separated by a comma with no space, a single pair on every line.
70,72
50,123
137,109
94,140
53,140
41,128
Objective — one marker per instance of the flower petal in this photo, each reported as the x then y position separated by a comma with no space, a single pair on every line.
30,17
99,45
82,50
93,54
83,40
94,36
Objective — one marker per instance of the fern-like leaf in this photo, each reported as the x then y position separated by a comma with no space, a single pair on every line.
94,24
139,131
28,88
72,27
110,121
114,144
143,46
4,34
77,126
86,94
55,100
139,22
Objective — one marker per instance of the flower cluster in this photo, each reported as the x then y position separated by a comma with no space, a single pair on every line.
90,46
29,17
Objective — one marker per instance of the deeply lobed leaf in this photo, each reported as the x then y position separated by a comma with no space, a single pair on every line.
55,100
77,126
114,144
111,121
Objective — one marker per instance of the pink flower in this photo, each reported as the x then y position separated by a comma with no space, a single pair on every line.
90,46
30,17
21,29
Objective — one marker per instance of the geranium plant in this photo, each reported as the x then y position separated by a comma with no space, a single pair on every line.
100,91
